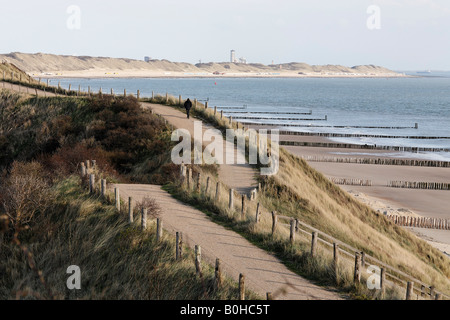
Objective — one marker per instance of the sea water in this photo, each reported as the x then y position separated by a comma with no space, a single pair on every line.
348,102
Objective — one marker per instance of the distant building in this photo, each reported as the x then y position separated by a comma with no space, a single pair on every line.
243,60
233,56
147,59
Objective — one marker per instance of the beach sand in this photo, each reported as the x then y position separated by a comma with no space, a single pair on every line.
383,199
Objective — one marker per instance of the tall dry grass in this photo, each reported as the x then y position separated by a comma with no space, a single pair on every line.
299,191
117,260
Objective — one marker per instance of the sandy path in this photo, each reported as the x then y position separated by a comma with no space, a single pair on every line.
241,177
264,272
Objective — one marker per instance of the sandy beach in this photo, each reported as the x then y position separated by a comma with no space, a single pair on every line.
41,65
380,197
99,73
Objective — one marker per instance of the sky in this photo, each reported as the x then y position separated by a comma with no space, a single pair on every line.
397,34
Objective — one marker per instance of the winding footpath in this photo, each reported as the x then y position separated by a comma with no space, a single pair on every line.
240,177
263,271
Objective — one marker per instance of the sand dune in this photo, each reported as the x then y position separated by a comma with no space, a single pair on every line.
43,65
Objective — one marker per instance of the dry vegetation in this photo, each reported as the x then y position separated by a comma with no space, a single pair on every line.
48,221
118,260
61,132
299,191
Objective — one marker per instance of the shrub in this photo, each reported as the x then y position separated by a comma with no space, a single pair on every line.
153,208
25,192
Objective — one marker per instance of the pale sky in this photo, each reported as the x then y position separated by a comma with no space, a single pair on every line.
405,35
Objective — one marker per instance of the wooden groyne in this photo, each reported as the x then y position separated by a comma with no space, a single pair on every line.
326,126
357,135
419,185
236,108
351,182
287,119
361,146
420,222
269,112
381,161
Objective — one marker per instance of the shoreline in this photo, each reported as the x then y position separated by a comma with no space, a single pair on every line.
183,75
383,199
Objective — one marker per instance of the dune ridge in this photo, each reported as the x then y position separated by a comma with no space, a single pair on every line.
42,64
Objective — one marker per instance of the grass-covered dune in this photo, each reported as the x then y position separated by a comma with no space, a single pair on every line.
299,191
49,221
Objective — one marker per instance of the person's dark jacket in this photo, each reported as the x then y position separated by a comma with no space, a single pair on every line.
188,104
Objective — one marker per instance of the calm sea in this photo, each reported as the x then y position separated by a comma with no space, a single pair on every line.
400,102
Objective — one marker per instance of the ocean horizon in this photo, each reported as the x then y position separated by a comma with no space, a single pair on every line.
350,106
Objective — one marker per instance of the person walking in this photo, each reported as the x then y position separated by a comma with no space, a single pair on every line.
188,106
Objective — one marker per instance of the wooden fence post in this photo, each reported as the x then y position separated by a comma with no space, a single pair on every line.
269,296
103,187
198,257
241,287
216,198
117,198
382,281
92,183
198,182
188,178
207,186
409,290
363,259
138,94
130,210
431,292
144,219
167,98
274,222
230,199
159,229
313,243
438,296
218,275
357,274
336,262
179,245
179,100
292,232
243,207
83,169
422,291
257,213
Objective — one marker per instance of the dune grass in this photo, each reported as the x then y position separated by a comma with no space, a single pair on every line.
117,260
299,191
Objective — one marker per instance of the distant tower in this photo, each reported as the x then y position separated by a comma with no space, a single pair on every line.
233,56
